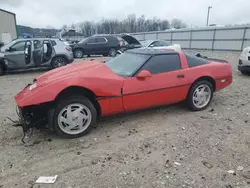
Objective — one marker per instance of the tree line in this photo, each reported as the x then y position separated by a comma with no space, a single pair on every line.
130,24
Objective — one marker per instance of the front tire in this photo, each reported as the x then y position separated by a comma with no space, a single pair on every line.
78,53
112,52
200,95
74,117
58,62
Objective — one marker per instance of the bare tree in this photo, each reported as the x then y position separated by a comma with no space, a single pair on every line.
131,23
178,24
140,24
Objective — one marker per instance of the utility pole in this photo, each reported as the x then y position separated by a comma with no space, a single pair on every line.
208,11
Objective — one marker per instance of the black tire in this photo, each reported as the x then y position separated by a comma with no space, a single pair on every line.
2,70
112,52
105,55
78,53
58,62
189,99
73,100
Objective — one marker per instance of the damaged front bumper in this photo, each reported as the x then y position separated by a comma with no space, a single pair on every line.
37,116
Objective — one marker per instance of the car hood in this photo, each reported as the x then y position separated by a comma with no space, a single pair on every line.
130,39
89,69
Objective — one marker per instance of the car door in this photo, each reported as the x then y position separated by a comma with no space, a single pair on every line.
28,54
166,85
90,47
15,55
48,52
37,52
101,45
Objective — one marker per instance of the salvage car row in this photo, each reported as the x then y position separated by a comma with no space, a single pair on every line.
70,99
54,53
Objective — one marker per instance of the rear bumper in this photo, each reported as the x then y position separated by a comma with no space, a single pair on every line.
244,68
223,82
70,61
70,57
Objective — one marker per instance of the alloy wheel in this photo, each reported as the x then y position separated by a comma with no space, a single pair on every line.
74,119
202,96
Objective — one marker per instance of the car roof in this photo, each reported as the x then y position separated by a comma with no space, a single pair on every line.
21,39
151,51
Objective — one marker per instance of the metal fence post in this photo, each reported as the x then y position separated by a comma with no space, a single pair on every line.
171,37
243,38
190,38
213,40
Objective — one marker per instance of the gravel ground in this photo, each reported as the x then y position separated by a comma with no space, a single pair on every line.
162,147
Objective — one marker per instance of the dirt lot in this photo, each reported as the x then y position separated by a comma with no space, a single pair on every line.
163,147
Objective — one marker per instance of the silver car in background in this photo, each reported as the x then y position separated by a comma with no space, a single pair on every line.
34,52
244,61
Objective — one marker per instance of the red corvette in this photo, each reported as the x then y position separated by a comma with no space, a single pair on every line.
68,100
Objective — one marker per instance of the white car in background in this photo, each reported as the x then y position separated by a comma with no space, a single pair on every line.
156,44
160,44
244,61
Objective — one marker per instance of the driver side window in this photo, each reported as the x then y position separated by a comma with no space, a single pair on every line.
163,64
91,41
19,46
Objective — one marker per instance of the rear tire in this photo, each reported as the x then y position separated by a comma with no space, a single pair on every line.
112,52
74,117
78,53
200,95
2,70
58,62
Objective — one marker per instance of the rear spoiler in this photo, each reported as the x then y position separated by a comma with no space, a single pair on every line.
211,59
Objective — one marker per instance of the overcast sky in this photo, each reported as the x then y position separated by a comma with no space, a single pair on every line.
43,13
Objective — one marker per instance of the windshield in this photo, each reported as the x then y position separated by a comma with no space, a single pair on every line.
127,64
83,40
3,48
145,43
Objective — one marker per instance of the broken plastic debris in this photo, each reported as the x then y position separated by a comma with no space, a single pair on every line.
177,163
230,171
240,168
46,179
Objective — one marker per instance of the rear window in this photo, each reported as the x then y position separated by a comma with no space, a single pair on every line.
112,39
194,61
100,40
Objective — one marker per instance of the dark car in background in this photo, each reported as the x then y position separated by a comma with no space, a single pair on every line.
105,45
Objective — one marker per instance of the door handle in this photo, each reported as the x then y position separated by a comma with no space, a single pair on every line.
180,76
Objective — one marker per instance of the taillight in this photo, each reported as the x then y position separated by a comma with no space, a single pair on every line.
69,48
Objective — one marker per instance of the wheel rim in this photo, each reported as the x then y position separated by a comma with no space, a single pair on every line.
59,62
74,119
202,96
112,52
78,54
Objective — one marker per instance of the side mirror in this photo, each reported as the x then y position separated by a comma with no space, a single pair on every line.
8,50
144,74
